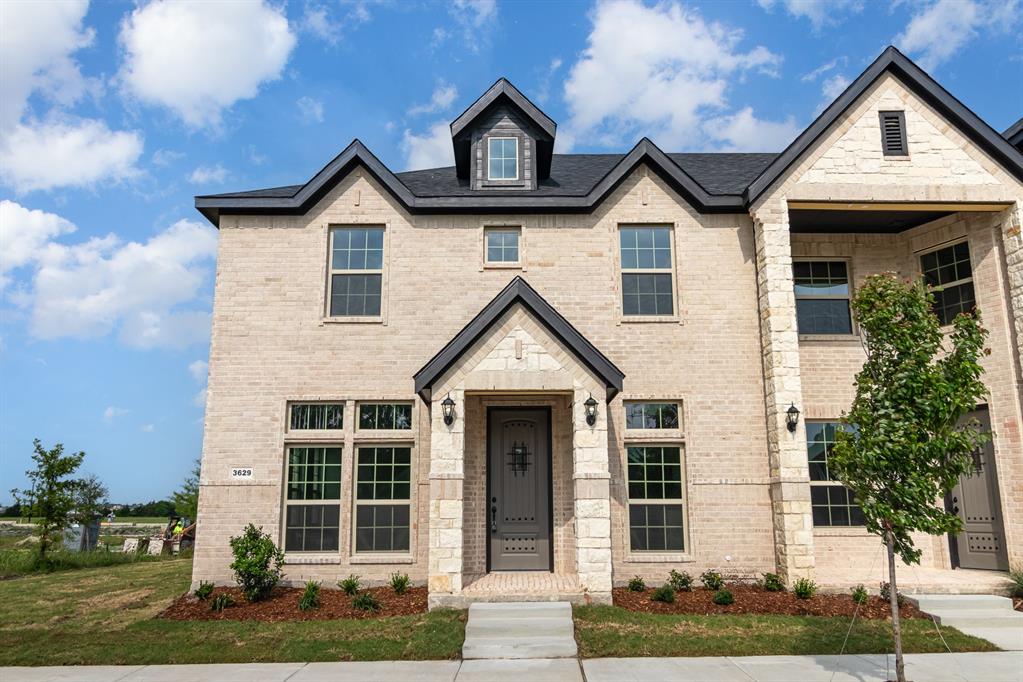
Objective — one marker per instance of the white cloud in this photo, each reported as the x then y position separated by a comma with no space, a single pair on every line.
476,20
833,86
199,399
543,92
147,428
321,23
198,369
443,97
823,69
151,292
112,413
940,29
744,132
656,71
432,149
198,58
253,155
24,233
820,12
206,175
310,110
165,157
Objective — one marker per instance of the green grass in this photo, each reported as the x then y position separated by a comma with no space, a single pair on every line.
19,562
106,616
612,631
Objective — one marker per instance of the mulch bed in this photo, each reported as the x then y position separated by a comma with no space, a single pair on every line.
282,605
751,599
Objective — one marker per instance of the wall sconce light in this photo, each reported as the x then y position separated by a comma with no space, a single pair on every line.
447,406
792,417
591,410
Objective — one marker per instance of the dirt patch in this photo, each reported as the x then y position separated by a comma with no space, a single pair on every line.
118,600
282,605
754,600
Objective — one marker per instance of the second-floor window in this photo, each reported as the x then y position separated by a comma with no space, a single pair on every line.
356,271
503,158
822,297
646,271
949,274
502,245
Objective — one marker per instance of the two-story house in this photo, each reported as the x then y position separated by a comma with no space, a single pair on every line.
541,374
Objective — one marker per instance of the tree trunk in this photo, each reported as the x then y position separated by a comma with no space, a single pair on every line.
893,598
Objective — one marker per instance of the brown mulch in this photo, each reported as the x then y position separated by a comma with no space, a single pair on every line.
752,599
282,605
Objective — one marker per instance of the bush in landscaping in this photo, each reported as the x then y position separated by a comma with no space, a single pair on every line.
1017,583
310,598
349,585
221,602
636,584
664,594
366,602
712,580
886,594
400,582
804,588
204,591
723,598
860,594
773,583
680,582
257,563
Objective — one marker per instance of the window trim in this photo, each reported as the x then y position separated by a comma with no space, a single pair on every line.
492,138
657,555
830,483
496,265
853,328
356,556
620,273
337,434
971,280
377,433
325,555
331,229
640,432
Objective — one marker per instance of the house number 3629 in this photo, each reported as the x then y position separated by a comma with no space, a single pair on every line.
241,473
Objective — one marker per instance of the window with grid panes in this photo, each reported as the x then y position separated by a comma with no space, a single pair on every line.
655,498
646,271
651,415
316,416
950,276
832,503
822,297
383,491
502,245
356,271
392,416
313,499
503,158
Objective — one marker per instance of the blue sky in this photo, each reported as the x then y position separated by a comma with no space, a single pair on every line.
113,115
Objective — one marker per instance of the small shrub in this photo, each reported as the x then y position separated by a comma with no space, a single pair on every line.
804,588
860,594
773,583
310,598
712,580
886,594
366,602
400,582
1017,583
204,591
680,582
636,584
723,598
221,602
257,563
665,594
349,585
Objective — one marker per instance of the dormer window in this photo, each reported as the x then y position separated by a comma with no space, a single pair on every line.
503,156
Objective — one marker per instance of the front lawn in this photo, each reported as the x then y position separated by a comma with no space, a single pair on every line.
107,616
611,631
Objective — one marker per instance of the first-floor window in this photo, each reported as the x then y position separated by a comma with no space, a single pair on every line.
832,503
313,502
655,498
382,499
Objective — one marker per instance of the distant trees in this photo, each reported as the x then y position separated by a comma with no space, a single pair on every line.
186,500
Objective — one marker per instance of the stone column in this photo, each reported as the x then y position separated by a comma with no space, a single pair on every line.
1012,244
790,477
1012,247
592,483
447,472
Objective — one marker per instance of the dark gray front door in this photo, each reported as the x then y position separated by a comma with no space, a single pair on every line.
519,489
975,500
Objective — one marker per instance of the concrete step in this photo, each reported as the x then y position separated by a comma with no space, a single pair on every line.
521,647
981,618
965,602
519,630
509,610
520,627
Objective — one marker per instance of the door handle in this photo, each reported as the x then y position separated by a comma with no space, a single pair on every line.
493,515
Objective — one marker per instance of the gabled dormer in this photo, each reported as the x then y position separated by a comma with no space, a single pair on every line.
503,141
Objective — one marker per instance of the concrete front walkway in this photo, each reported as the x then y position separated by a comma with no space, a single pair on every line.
1002,666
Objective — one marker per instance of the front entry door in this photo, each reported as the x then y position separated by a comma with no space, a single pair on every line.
981,544
519,489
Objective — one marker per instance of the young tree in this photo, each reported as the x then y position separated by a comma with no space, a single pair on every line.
52,496
905,448
89,500
186,500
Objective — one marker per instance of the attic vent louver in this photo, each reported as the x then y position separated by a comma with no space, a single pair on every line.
893,133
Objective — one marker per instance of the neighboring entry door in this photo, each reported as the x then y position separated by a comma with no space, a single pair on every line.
519,489
975,500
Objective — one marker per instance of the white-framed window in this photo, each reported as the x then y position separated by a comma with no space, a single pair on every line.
502,245
503,158
822,296
656,498
949,274
652,415
356,271
385,416
316,416
383,496
312,504
647,271
831,502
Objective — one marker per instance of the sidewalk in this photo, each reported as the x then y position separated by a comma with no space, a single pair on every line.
1002,666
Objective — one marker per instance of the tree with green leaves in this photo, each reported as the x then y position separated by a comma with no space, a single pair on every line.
905,445
186,500
52,496
90,497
